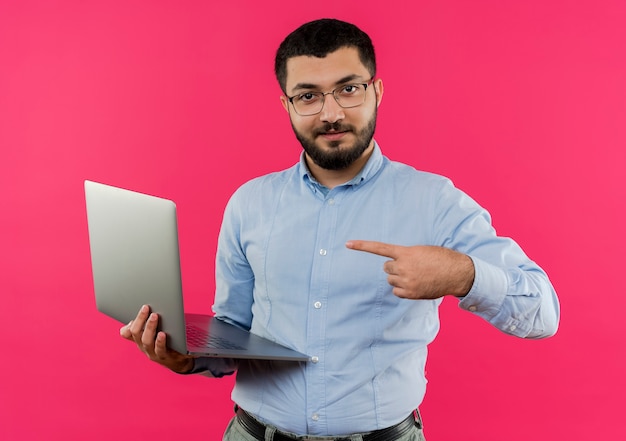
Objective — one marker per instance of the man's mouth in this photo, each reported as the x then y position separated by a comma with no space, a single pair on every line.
333,131
333,135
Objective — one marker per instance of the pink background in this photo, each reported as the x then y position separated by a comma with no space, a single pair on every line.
522,103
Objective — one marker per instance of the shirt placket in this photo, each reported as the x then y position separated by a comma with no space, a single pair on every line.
318,313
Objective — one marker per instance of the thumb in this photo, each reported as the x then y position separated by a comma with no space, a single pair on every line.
125,330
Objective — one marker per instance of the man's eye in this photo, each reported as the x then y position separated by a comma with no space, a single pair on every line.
308,97
349,89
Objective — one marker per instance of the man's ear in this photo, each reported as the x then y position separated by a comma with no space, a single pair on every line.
378,87
285,102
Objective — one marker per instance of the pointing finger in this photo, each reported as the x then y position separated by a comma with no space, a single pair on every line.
379,248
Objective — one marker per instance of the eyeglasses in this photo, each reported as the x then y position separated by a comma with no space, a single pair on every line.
347,95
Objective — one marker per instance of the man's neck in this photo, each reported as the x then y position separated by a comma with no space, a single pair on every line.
333,178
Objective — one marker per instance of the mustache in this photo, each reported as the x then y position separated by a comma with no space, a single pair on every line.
333,127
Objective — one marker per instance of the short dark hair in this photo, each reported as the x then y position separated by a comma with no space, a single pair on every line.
319,38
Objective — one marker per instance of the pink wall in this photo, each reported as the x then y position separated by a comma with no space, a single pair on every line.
523,104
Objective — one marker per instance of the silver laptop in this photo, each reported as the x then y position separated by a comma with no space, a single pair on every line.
135,260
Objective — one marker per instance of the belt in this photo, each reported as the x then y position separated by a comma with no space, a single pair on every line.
257,430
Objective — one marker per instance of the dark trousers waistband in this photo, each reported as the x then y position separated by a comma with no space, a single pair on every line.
257,429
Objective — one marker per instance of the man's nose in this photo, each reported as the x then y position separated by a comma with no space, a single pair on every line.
332,111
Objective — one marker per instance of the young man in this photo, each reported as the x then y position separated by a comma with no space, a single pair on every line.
290,268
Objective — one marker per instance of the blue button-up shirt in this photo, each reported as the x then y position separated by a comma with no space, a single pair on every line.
283,271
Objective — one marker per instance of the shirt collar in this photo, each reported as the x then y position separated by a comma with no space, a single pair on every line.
373,165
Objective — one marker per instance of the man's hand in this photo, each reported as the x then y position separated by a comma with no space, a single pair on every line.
422,272
143,331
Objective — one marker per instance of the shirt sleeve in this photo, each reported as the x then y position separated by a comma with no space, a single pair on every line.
510,291
213,367
234,278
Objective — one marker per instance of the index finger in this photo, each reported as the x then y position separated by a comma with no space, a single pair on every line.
137,325
379,248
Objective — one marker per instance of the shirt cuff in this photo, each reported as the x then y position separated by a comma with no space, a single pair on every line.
488,299
488,292
214,367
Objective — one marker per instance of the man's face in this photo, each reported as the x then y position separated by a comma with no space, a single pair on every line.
336,137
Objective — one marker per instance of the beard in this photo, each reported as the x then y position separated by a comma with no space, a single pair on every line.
337,157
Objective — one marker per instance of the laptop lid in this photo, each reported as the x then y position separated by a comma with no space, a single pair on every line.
135,258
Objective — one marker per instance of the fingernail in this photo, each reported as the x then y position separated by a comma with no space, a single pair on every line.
144,308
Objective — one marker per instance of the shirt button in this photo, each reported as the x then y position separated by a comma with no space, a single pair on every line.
513,328
315,359
472,308
323,252
317,305
315,417
331,202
